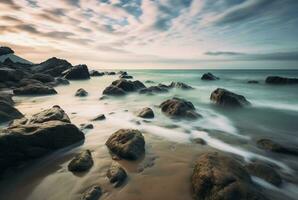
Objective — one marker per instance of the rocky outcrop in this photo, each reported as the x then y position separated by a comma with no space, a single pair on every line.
54,113
22,143
53,66
122,86
44,78
78,72
127,144
264,171
8,112
93,193
35,89
278,80
5,51
216,176
96,73
179,108
146,113
116,174
270,145
209,77
81,93
224,97
81,162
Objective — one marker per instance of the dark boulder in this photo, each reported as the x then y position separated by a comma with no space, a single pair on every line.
264,171
61,81
22,143
5,51
81,162
146,113
86,126
9,74
35,89
126,76
8,112
110,73
180,85
224,97
122,73
78,72
278,80
54,113
81,93
272,146
116,174
96,73
99,117
113,91
127,144
153,89
209,77
93,193
44,78
28,81
53,66
216,176
253,82
179,108
6,98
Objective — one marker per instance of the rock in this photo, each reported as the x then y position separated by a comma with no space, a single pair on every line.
224,97
122,73
127,144
52,66
81,162
146,113
34,89
28,81
86,126
180,85
179,108
99,117
54,113
126,77
199,141
78,72
216,176
8,112
6,98
113,91
153,89
81,93
110,73
5,51
253,82
209,77
264,171
149,81
116,174
278,80
22,143
96,73
12,75
61,81
44,78
93,193
272,146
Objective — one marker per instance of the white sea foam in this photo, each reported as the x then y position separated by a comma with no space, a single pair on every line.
276,105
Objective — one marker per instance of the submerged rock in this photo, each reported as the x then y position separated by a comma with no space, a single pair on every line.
224,97
216,176
61,81
209,77
180,85
146,113
99,117
35,89
264,171
86,126
153,89
272,146
81,93
96,73
81,162
8,112
116,174
78,72
179,108
93,193
127,143
113,91
126,76
278,80
253,82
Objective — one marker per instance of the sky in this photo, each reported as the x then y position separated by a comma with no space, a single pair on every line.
154,33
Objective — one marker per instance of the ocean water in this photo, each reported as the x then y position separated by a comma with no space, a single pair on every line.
273,114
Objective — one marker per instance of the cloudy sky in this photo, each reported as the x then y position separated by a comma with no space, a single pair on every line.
154,33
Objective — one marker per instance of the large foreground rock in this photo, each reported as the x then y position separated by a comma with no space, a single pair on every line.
219,177
224,97
8,112
209,77
78,72
22,143
35,89
54,113
116,174
179,108
270,145
278,80
81,162
127,143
